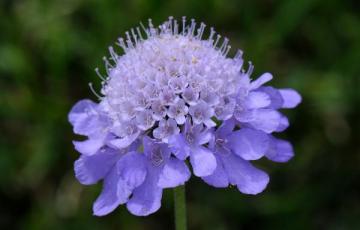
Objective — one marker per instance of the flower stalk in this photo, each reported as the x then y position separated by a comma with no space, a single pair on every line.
180,208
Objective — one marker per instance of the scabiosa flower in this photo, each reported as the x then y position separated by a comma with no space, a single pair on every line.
174,96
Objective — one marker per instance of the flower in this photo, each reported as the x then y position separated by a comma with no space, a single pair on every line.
233,150
190,143
171,97
163,171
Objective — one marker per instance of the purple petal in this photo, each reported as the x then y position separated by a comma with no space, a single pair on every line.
226,128
275,96
218,178
225,109
203,161
261,80
248,143
115,192
242,115
203,137
180,119
284,124
146,198
209,123
79,111
91,169
132,169
85,118
256,100
291,98
90,146
202,113
179,147
190,96
280,150
249,180
266,120
166,129
153,146
124,142
145,119
174,173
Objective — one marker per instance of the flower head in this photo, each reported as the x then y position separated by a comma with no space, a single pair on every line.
161,103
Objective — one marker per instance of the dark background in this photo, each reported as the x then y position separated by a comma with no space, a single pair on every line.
48,52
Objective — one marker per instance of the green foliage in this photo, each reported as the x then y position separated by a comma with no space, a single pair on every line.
49,49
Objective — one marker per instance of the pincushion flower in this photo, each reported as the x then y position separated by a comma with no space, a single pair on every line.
172,97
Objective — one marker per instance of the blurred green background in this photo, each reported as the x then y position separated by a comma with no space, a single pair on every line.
48,52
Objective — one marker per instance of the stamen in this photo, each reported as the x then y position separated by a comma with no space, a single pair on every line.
201,31
223,45
145,30
151,26
108,65
176,27
129,44
250,69
134,36
238,54
163,28
113,54
212,33
139,33
93,91
99,74
184,25
217,40
153,31
192,27
128,35
227,50
121,43
170,24
128,41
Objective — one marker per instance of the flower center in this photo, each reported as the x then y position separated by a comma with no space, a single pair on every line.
190,138
129,130
220,142
157,157
221,147
198,115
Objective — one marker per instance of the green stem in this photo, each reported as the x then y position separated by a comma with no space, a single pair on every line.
180,208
